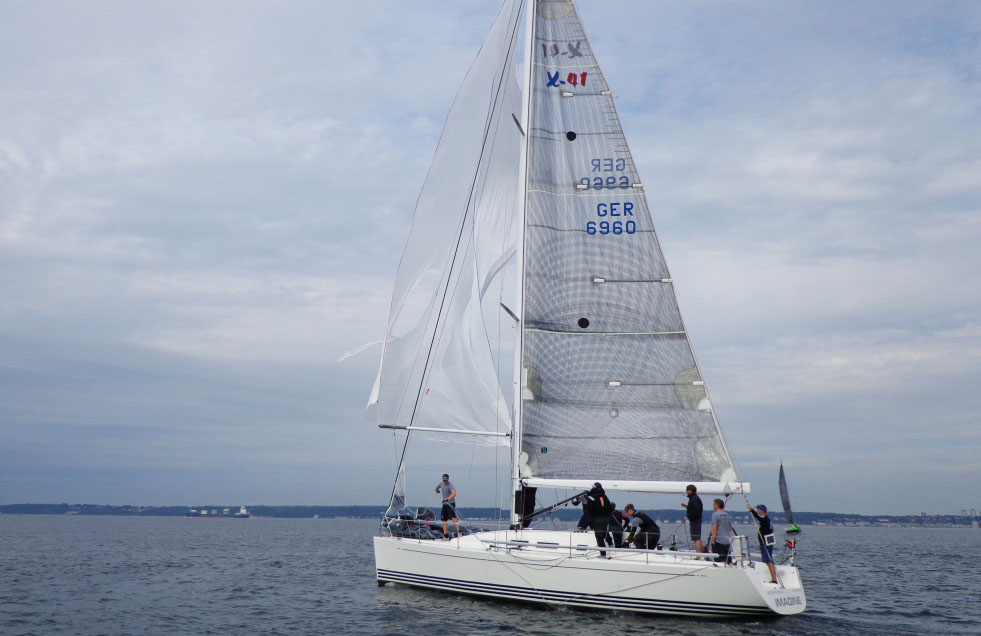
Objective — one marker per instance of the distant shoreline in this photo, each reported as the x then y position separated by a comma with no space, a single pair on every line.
484,514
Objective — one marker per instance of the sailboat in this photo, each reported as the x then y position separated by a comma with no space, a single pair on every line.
533,312
792,528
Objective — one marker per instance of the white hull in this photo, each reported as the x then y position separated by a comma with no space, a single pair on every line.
636,581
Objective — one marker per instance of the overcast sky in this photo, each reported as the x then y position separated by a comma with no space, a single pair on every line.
202,206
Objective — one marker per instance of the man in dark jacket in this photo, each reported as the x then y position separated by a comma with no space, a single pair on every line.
694,516
598,507
644,531
586,520
765,534
618,524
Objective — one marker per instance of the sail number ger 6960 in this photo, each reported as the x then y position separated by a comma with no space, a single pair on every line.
609,211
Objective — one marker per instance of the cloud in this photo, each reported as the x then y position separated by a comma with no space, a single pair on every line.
199,215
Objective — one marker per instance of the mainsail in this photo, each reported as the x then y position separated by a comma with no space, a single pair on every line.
785,497
611,387
533,306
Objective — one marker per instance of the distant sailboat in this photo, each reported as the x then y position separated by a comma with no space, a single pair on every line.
792,528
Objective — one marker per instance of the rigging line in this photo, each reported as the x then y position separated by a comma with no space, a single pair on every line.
508,58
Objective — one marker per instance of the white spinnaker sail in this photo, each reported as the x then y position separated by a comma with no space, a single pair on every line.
441,365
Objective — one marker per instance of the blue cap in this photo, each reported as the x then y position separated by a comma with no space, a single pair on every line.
761,507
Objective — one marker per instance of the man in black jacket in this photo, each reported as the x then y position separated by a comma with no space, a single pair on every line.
694,516
644,531
765,534
598,507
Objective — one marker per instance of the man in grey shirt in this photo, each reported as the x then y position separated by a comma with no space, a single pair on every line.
448,491
722,531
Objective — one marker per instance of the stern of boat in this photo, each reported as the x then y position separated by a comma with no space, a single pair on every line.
785,598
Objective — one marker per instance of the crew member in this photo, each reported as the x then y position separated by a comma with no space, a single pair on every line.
694,516
722,531
598,506
765,534
644,531
448,491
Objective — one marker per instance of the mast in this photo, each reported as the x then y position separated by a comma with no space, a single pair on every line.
519,310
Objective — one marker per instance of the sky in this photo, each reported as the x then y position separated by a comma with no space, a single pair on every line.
202,207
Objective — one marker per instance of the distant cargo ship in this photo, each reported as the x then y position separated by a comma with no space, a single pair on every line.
219,513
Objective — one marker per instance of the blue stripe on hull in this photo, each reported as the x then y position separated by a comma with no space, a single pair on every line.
602,601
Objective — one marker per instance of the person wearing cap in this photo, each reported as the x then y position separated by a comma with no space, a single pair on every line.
765,533
448,492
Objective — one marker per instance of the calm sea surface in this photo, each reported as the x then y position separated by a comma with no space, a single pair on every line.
118,575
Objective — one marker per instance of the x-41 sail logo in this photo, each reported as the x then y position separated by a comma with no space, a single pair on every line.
575,79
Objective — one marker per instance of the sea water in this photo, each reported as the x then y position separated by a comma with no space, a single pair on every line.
122,575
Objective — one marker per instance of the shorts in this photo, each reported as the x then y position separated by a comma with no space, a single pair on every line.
721,549
767,552
696,529
448,512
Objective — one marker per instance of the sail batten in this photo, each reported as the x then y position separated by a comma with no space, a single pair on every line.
656,487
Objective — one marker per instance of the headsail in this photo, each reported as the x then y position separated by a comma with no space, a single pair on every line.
785,497
611,387
441,365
